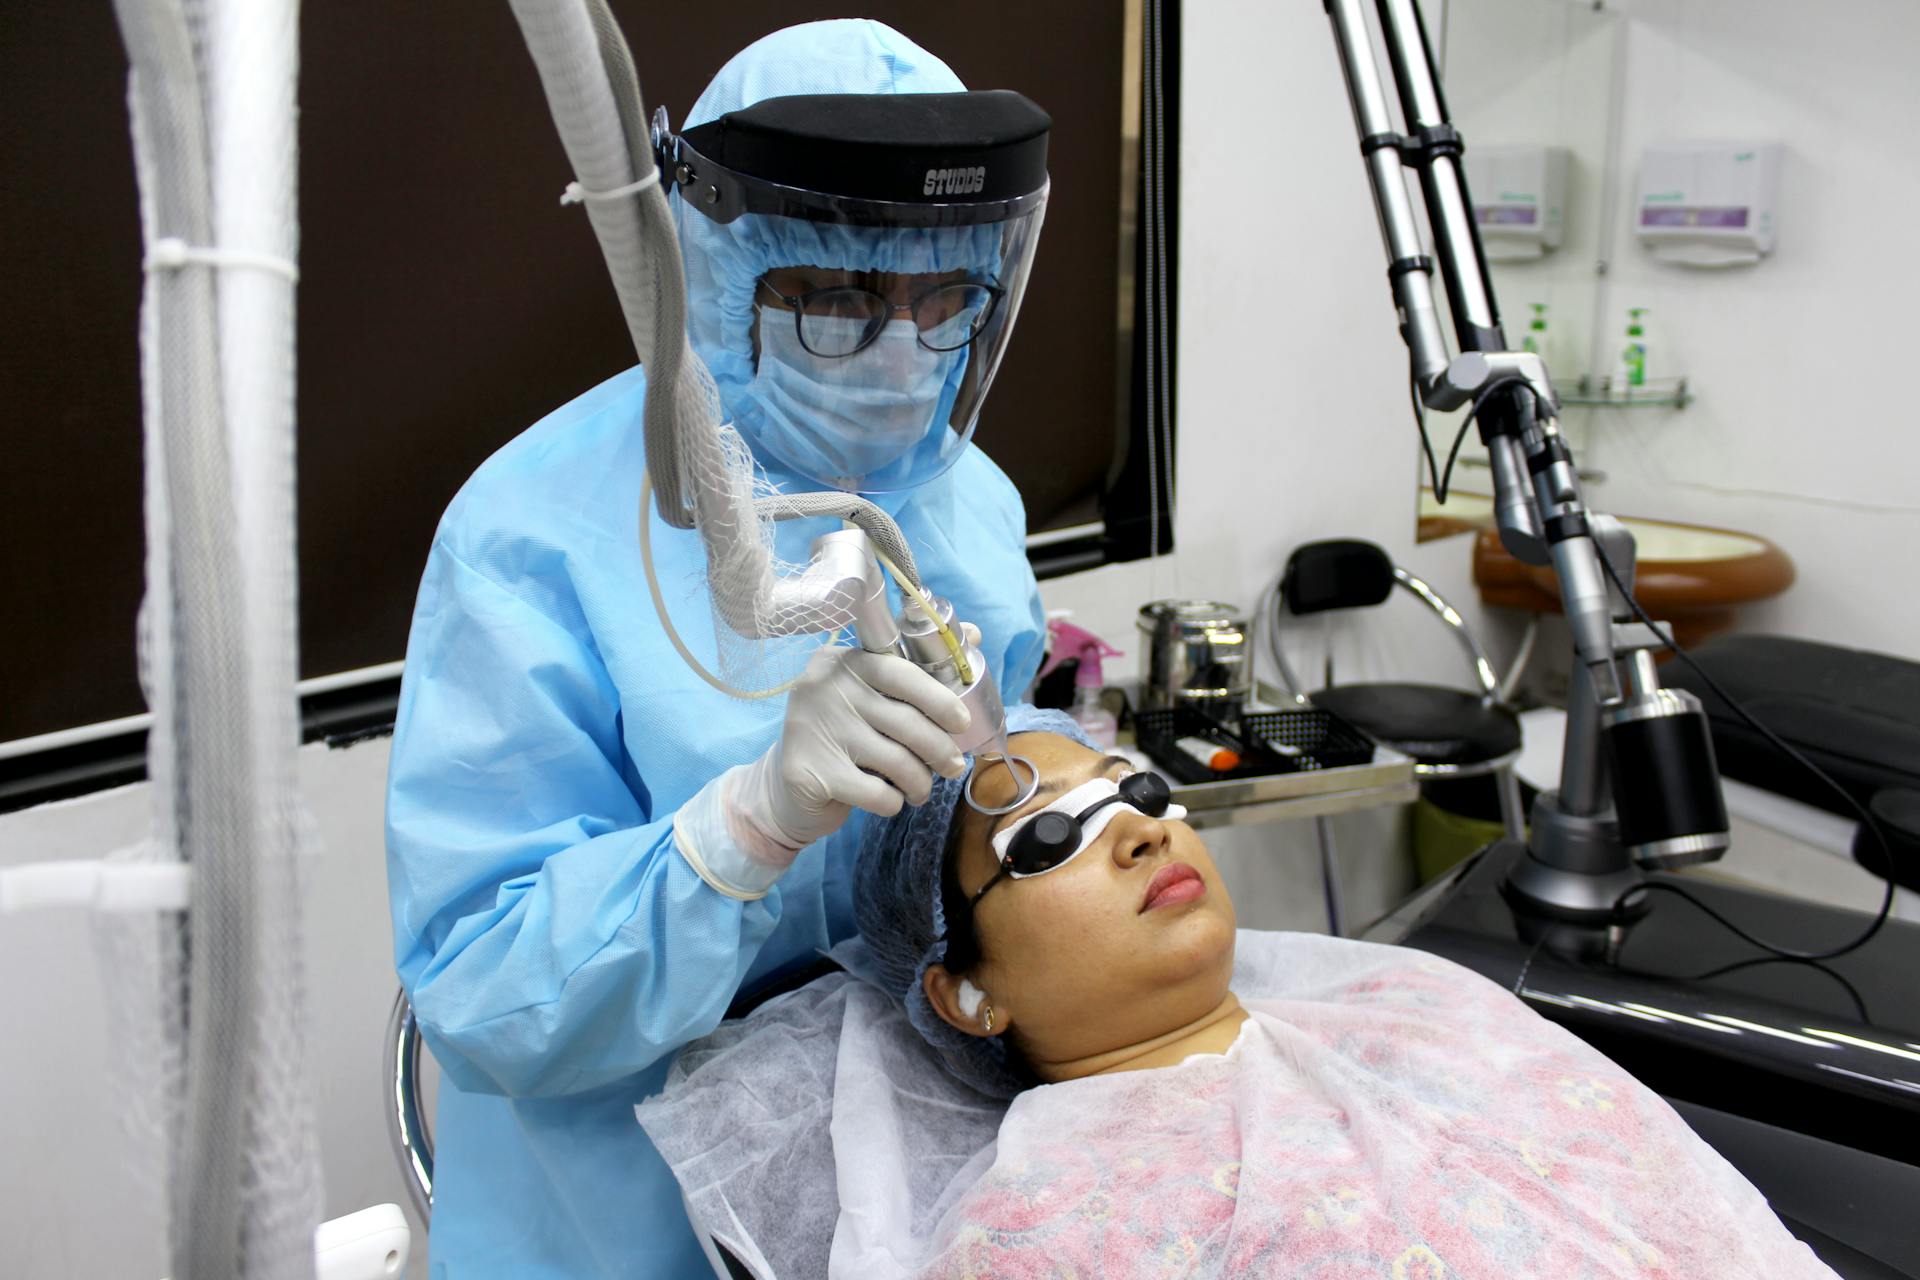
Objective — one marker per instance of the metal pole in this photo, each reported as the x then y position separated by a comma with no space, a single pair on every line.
1409,270
1583,777
1330,877
1476,320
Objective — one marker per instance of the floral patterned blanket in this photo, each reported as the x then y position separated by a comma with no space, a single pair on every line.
1393,1115
1384,1114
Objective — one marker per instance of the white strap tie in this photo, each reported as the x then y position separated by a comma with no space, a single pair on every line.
577,194
170,253
102,885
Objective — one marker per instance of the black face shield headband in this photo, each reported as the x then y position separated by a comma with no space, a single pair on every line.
889,160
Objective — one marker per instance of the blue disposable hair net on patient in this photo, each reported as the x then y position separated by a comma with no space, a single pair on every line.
896,903
724,262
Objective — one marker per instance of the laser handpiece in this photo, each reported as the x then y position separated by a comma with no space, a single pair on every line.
927,634
927,642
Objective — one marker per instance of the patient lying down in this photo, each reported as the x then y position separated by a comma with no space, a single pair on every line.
1185,1099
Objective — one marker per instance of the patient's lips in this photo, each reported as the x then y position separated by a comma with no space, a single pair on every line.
1173,884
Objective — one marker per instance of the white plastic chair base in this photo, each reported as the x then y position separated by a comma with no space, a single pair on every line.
373,1244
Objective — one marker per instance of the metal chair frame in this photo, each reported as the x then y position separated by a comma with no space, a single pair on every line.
406,1123
412,1139
1500,766
1482,668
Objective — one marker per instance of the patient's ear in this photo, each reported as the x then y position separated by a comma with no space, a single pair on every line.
952,997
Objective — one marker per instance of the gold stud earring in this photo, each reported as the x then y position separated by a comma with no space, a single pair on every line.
989,1019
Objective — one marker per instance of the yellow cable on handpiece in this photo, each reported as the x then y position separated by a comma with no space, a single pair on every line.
965,669
958,650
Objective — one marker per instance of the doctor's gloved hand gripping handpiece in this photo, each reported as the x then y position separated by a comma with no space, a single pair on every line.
862,730
591,848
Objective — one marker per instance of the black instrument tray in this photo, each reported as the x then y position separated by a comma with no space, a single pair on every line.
1268,742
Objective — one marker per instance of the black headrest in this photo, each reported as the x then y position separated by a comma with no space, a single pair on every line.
1339,573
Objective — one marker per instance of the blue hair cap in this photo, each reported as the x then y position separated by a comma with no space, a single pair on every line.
896,902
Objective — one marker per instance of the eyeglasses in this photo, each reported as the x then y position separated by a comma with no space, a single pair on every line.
841,319
1052,838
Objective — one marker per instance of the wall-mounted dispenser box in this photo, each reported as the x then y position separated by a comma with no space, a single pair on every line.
1708,204
1519,199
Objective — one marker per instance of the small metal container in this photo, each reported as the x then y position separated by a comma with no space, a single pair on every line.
1196,653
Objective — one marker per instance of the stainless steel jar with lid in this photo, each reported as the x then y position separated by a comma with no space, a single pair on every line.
1195,652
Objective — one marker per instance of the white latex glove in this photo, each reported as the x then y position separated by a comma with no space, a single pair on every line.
862,731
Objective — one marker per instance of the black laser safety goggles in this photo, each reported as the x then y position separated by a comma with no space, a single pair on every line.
1054,836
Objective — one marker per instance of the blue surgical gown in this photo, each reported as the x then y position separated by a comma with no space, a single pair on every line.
557,949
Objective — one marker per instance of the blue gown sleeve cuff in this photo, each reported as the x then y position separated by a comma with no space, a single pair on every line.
702,835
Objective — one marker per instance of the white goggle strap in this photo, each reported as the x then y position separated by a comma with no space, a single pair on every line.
1074,802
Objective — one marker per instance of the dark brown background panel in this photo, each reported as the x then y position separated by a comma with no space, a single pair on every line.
447,299
70,522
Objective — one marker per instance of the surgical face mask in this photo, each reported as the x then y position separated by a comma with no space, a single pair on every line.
843,421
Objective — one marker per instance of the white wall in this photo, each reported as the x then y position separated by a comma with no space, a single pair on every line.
1292,411
1539,73
1795,362
1800,431
68,1205
1795,432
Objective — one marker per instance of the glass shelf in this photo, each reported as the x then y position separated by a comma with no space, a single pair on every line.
1656,393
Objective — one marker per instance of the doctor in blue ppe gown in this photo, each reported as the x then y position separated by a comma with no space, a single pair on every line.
590,850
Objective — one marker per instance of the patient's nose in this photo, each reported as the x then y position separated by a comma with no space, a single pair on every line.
1136,836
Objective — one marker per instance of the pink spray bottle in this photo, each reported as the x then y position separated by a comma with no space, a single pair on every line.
1069,641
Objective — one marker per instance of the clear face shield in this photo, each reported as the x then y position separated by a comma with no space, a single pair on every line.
868,254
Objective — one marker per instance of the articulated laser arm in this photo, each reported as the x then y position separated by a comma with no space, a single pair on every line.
1638,782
